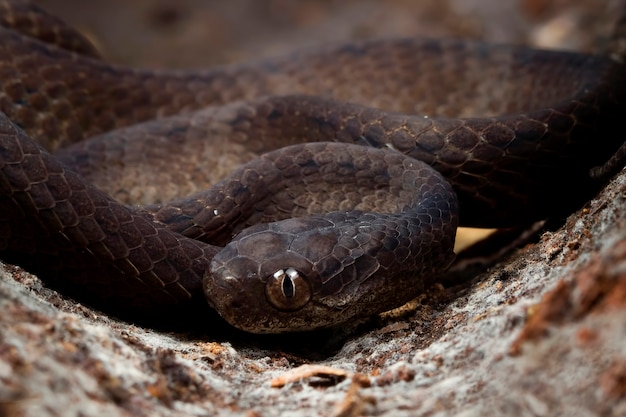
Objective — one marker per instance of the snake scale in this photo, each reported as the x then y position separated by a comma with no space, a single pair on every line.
315,228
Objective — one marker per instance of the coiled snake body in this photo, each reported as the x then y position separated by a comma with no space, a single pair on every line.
319,228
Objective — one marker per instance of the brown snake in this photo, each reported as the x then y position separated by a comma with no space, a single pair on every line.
314,233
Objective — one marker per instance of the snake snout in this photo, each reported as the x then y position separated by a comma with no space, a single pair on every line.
259,285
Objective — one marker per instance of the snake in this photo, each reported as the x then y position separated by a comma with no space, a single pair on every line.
359,161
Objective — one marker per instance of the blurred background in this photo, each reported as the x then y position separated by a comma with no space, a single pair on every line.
191,33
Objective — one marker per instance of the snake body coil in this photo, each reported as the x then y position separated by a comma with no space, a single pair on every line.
313,234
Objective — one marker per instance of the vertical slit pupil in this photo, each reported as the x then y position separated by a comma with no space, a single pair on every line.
288,288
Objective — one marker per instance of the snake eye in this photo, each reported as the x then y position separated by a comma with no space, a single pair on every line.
287,289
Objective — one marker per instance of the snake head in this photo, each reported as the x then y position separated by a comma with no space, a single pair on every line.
263,281
306,273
